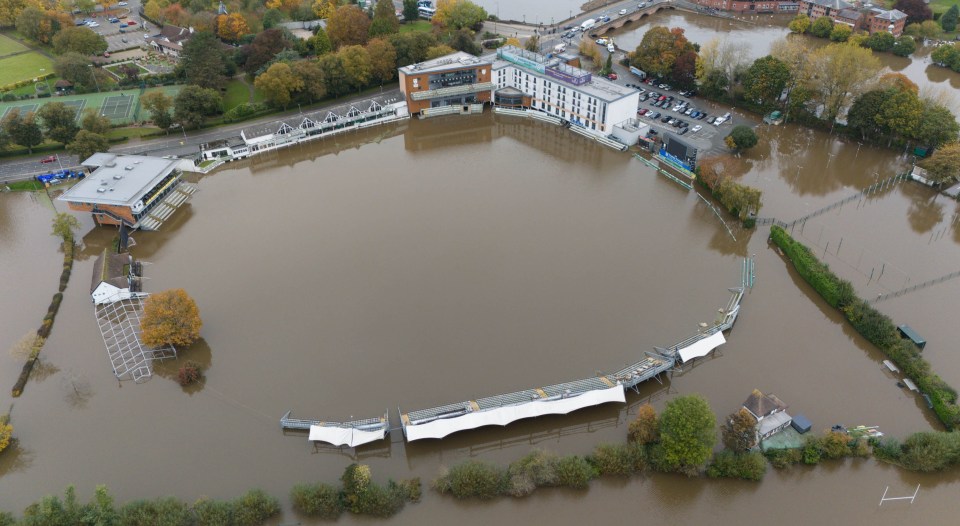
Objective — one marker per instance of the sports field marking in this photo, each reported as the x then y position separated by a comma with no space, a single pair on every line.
117,107
77,105
26,108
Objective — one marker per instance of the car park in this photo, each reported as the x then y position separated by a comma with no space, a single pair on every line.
719,121
682,131
711,119
701,116
689,111
654,115
642,112
696,128
666,119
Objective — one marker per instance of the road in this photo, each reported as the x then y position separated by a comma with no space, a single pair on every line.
179,143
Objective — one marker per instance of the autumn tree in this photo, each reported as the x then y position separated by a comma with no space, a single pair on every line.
334,75
80,40
348,26
231,27
458,14
684,72
462,40
800,24
796,56
10,10
944,165
645,429
324,8
916,10
159,105
439,51
87,143
75,68
151,10
63,225
278,83
840,72
721,59
6,431
840,33
383,60
739,432
687,434
264,48
765,79
659,50
174,14
532,44
314,84
385,19
92,121
587,50
356,65
412,47
170,317
22,129
59,121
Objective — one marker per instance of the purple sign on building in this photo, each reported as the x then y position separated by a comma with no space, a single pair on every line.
568,78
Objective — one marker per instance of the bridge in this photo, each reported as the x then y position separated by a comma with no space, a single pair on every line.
620,21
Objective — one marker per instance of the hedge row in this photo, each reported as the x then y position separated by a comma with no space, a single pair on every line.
831,445
22,83
872,324
357,494
924,451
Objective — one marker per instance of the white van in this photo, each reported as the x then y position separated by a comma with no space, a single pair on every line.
588,24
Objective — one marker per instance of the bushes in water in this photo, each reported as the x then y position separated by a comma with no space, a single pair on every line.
357,494
254,507
317,500
574,471
872,324
189,373
830,446
782,458
165,511
472,479
924,451
536,469
727,464
213,512
619,460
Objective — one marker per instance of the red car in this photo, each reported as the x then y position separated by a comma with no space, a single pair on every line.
51,159
131,23
612,76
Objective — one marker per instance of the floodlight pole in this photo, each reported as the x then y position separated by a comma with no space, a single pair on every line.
94,77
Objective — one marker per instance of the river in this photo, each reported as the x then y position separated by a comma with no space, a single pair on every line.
461,257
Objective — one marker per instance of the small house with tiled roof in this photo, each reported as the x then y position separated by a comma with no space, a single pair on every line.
770,413
113,278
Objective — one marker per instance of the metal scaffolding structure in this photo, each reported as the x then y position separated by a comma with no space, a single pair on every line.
119,323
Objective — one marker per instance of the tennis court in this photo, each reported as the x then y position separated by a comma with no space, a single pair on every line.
24,108
117,107
77,105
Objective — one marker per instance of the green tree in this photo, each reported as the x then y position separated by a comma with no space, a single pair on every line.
348,26
193,103
462,40
30,23
645,429
659,49
271,17
411,11
412,47
687,434
608,65
356,65
944,165
949,19
821,27
203,62
170,317
385,21
100,511
334,74
92,121
765,80
840,33
904,46
532,44
314,85
319,43
947,55
741,138
79,40
938,125
75,68
63,226
159,105
278,83
87,143
880,41
800,24
22,129
739,433
862,115
930,30
900,114
59,121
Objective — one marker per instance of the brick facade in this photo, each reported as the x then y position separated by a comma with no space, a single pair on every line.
412,83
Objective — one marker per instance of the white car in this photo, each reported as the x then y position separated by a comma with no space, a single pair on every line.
602,41
610,48
623,11
122,4
696,128
719,121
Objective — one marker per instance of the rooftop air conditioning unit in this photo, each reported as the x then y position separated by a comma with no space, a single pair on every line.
128,167
117,177
101,190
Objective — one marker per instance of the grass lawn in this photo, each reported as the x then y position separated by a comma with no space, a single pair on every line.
419,25
133,131
9,45
22,67
115,69
25,186
237,93
941,6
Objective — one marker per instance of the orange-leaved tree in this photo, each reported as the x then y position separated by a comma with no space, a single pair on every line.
170,317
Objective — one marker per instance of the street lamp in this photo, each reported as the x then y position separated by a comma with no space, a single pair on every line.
93,73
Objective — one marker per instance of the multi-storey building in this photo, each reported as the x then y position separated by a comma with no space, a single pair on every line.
458,79
882,20
748,6
132,190
817,8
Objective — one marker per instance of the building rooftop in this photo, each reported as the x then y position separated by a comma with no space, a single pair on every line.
457,60
110,268
119,180
319,116
832,4
772,422
850,14
762,405
597,87
892,15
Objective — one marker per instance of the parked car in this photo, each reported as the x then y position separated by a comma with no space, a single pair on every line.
696,128
689,111
131,22
701,116
666,119
602,41
682,131
47,160
612,76
106,54
124,40
567,27
711,119
642,112
684,124
654,115
719,121
93,24
122,4
113,20
623,12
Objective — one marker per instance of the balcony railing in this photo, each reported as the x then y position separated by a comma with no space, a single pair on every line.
451,91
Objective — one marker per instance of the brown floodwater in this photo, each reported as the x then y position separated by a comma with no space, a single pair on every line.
441,260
